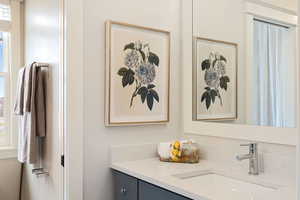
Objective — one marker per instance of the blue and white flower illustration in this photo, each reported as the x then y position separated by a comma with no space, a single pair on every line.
146,73
214,77
140,68
133,59
211,78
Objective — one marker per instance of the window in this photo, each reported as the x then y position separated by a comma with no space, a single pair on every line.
10,64
274,75
5,12
4,89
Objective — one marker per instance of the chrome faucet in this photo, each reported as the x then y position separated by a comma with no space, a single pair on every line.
253,158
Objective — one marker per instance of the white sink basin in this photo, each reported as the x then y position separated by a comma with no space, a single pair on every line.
217,186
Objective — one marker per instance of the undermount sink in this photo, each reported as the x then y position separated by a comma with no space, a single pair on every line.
218,186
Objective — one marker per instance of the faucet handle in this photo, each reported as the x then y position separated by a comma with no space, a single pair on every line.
252,146
248,145
244,145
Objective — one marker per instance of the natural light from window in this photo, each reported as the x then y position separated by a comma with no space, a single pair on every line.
10,63
4,79
5,12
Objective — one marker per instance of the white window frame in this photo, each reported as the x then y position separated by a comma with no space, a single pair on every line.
14,63
292,33
256,11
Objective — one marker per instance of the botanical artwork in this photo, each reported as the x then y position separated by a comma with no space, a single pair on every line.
137,75
215,78
139,71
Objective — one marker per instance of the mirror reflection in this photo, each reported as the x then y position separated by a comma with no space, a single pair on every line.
250,79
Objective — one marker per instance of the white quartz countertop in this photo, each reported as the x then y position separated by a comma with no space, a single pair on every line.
163,174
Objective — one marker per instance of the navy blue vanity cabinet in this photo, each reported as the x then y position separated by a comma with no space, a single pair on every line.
150,192
130,188
126,187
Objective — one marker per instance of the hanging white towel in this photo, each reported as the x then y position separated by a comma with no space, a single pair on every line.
31,97
18,108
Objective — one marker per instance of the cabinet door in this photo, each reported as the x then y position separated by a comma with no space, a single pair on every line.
150,192
125,186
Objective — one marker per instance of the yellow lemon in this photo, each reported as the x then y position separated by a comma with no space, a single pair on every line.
177,145
175,152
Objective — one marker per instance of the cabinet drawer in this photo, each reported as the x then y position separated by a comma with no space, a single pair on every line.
125,186
150,192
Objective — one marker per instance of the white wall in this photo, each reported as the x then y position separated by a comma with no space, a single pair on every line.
42,45
290,5
9,179
98,138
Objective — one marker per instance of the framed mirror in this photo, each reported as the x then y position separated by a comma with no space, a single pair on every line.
240,79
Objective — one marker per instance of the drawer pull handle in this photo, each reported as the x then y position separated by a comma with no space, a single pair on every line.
123,191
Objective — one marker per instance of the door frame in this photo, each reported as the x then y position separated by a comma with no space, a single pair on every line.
71,99
298,135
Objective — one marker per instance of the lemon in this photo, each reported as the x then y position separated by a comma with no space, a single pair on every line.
177,145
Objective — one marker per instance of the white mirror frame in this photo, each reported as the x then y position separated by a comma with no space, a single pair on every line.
287,136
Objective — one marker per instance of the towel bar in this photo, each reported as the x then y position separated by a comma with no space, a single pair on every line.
42,64
39,172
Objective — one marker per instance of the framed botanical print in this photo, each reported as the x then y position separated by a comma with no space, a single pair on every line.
215,80
137,74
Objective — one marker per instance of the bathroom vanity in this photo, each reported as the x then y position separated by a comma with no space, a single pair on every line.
131,188
150,179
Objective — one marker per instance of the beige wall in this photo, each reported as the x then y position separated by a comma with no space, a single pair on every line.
42,45
158,14
9,179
